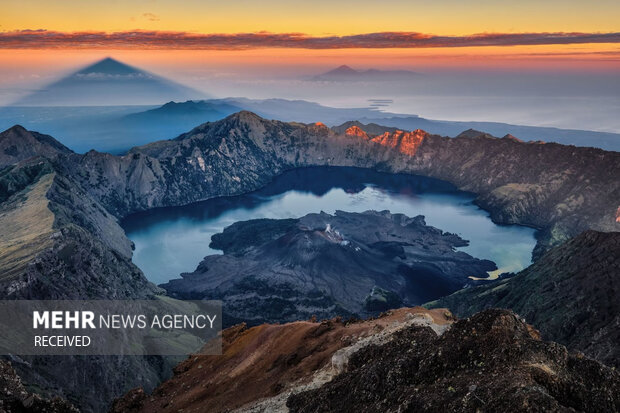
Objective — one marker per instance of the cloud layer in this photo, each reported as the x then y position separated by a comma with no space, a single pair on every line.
142,39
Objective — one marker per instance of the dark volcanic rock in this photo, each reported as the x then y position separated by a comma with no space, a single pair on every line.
327,265
492,362
14,398
571,294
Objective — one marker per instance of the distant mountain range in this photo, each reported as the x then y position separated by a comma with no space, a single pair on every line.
109,82
117,128
347,73
184,113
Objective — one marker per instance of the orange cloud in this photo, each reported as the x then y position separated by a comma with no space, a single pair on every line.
142,39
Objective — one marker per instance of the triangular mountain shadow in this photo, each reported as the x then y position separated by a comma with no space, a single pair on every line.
110,82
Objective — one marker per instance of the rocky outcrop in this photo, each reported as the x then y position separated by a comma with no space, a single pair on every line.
14,398
261,366
407,143
370,128
571,294
356,131
60,243
490,362
18,144
346,264
406,360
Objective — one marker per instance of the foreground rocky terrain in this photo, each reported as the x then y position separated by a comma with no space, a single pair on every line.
347,264
571,294
59,211
406,360
14,398
490,362
262,365
17,144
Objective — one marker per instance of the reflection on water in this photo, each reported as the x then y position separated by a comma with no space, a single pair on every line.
170,241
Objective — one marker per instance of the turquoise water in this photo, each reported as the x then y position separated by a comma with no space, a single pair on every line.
170,241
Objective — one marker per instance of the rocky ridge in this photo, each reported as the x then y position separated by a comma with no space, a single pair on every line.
491,361
405,360
561,190
262,365
58,242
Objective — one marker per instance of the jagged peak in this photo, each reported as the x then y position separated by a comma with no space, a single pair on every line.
244,116
473,133
511,137
319,127
356,131
19,129
345,68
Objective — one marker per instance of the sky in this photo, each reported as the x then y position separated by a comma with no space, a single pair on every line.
266,48
318,17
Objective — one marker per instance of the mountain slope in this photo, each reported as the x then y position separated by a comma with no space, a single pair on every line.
109,82
17,144
572,294
189,112
57,242
260,366
490,362
404,360
15,398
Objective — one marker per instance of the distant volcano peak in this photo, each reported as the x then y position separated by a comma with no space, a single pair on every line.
346,72
345,69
